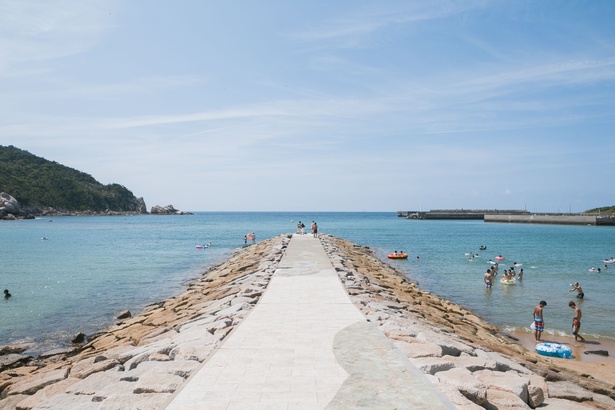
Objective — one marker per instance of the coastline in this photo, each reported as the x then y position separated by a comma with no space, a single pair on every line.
155,351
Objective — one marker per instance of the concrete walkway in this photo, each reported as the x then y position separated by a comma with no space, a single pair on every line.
306,346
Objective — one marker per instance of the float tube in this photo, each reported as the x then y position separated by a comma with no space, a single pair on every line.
508,281
553,350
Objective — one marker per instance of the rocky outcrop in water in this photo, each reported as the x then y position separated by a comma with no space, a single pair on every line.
167,210
9,207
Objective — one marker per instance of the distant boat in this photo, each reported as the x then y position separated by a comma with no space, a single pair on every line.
397,256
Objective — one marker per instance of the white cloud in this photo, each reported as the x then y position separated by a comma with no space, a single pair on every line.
36,31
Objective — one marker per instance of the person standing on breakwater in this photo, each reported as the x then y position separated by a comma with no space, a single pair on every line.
576,321
315,229
539,323
577,287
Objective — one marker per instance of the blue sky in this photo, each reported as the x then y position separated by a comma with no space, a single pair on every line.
319,106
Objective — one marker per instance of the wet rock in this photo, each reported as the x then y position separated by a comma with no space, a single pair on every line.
124,315
12,359
598,352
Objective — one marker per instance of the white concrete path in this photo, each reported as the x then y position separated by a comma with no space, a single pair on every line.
285,354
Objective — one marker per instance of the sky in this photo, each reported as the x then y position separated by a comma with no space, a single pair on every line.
319,106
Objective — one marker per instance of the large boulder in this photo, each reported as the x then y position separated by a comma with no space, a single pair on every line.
9,205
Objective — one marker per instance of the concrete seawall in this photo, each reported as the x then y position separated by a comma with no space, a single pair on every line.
551,219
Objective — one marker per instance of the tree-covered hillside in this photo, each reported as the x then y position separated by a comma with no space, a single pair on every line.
38,183
603,210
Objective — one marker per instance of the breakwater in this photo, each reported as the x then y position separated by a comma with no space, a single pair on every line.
144,360
449,214
561,219
510,216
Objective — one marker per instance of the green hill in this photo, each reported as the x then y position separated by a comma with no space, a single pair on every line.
38,184
603,210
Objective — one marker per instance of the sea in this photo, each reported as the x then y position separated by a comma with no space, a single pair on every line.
74,274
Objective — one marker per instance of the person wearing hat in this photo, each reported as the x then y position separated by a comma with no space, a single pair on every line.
539,323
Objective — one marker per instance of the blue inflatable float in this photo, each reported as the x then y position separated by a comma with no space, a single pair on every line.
554,350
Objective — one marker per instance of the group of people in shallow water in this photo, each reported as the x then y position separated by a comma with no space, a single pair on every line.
539,322
7,294
511,274
507,275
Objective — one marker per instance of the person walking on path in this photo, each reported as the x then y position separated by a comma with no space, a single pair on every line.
539,323
577,287
576,321
315,229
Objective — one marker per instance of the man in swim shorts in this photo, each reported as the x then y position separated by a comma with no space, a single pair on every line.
577,287
576,321
539,324
488,278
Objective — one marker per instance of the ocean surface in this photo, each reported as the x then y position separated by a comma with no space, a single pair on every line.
74,274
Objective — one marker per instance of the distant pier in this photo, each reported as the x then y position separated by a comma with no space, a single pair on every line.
443,214
510,216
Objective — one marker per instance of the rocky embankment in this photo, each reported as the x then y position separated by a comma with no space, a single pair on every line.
11,209
468,359
141,361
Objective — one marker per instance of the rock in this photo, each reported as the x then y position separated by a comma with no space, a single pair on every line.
17,348
38,381
598,352
466,383
157,381
535,396
124,315
79,338
68,401
422,349
503,399
167,210
86,367
503,364
509,381
61,351
568,391
93,383
12,402
560,404
472,363
12,359
432,365
9,205
135,401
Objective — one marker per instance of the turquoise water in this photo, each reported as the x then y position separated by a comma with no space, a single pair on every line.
90,268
